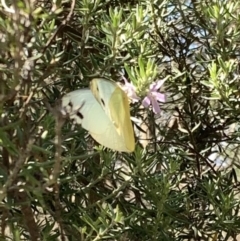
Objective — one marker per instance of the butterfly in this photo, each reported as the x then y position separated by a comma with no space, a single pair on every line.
104,111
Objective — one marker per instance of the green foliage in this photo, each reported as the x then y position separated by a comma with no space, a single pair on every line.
56,183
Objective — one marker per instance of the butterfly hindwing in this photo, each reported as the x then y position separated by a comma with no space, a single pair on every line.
120,115
115,103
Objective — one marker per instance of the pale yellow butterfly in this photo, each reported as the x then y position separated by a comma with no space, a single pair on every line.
103,111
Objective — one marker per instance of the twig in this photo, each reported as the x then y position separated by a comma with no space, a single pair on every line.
192,139
11,178
61,25
53,180
4,218
58,145
58,208
29,217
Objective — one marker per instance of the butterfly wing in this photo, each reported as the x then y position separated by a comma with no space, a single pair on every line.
85,110
102,90
115,103
120,114
112,140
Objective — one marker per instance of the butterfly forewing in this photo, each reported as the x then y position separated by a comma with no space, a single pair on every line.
102,90
83,108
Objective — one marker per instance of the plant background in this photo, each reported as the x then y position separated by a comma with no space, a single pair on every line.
57,184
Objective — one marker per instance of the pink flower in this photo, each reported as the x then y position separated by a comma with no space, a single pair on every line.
153,96
130,90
